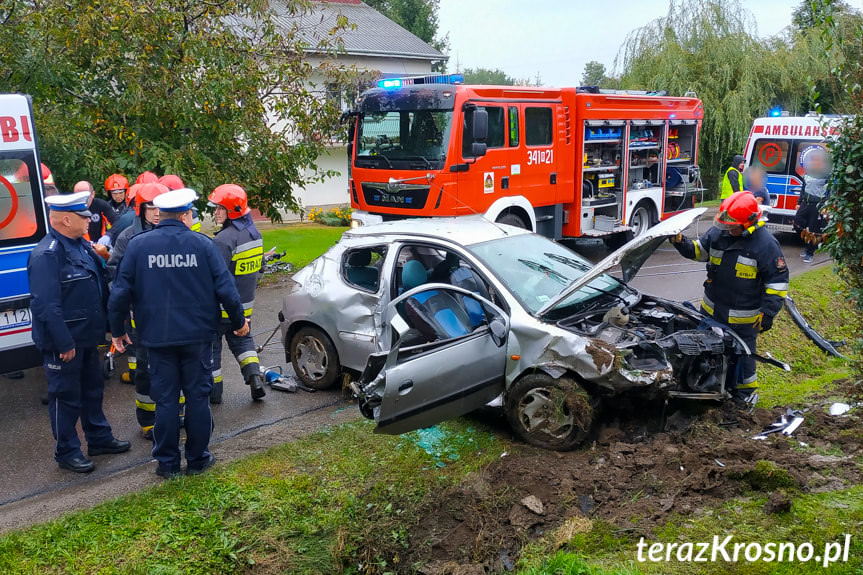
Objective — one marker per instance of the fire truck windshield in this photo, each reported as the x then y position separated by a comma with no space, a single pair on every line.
403,139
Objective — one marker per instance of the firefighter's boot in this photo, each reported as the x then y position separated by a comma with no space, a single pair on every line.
256,385
216,392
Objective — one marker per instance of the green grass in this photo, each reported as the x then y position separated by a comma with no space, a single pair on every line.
820,298
318,505
714,203
301,242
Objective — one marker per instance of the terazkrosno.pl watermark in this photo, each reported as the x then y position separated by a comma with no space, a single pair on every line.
731,551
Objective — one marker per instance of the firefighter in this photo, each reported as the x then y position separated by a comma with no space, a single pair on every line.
809,219
116,186
732,180
747,277
136,355
173,182
175,280
147,178
68,294
242,248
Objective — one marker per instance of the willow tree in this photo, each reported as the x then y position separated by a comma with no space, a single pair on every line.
711,48
213,91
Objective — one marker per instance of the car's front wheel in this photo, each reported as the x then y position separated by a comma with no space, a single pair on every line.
314,357
550,413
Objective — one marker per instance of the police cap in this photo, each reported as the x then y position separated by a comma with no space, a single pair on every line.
177,201
76,202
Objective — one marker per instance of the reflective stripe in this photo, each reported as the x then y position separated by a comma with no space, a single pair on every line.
133,365
147,428
195,227
751,379
780,293
748,261
249,265
749,385
217,373
779,286
132,321
247,357
217,379
700,256
753,313
145,406
707,305
745,270
248,249
131,359
716,256
248,308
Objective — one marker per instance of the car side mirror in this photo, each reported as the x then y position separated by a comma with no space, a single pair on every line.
478,149
497,327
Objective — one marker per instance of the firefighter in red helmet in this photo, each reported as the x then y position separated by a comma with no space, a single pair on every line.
747,278
242,248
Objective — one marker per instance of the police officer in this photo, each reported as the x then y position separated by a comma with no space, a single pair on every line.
242,248
136,354
732,180
68,293
747,277
173,182
175,279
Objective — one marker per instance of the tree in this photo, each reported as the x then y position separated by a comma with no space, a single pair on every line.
487,76
811,14
215,92
419,17
594,74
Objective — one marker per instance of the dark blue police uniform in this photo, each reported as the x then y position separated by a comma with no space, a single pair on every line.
175,279
68,293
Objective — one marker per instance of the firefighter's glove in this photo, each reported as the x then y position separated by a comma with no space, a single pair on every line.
676,239
763,323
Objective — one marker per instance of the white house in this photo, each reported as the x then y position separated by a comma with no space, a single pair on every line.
376,44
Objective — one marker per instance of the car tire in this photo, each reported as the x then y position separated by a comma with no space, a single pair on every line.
531,412
314,357
513,220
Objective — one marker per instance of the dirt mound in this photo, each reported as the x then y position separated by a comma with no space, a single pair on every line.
633,474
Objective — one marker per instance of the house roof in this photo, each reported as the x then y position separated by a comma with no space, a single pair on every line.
374,34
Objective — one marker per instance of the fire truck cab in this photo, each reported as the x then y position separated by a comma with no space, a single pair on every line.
776,143
570,162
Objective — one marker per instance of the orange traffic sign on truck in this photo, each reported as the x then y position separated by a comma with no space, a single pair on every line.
568,162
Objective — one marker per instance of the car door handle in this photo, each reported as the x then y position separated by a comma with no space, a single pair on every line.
406,386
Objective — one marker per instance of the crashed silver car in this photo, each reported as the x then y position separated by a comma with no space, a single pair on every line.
440,317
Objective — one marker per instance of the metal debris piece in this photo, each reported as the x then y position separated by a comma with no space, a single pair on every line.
839,409
719,463
787,424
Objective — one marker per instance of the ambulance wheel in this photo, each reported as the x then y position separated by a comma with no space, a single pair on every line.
550,413
513,220
314,357
641,219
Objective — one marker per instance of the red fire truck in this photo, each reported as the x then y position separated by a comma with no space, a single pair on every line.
567,162
776,143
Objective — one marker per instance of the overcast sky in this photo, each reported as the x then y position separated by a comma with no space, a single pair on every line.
555,38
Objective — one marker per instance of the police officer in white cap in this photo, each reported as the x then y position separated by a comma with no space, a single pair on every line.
68,292
176,279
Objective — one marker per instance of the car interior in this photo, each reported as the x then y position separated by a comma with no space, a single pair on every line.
363,267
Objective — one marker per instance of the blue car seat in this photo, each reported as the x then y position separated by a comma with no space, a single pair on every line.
437,315
359,272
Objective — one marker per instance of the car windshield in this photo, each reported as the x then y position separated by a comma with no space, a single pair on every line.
404,139
536,270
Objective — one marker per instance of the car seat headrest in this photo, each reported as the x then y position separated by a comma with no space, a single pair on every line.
360,258
413,274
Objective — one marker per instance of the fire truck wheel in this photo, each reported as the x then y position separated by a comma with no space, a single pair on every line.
513,220
641,219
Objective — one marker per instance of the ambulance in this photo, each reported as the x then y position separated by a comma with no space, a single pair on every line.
777,143
22,224
563,162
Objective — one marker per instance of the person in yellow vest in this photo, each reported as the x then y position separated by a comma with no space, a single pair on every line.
732,180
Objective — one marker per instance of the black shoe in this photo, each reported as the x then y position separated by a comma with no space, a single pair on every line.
215,399
79,464
168,472
114,446
44,399
147,434
256,384
197,470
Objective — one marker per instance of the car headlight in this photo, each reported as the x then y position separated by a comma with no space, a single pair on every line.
355,224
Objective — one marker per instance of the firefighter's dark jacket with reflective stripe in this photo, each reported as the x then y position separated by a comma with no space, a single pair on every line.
176,280
68,292
242,249
746,275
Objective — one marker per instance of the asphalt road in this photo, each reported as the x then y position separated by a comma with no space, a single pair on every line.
32,488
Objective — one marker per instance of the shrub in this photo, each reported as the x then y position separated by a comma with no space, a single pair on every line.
340,216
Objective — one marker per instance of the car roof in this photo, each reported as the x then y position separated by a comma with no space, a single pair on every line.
465,230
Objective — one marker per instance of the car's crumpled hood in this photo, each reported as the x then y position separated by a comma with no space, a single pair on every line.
631,256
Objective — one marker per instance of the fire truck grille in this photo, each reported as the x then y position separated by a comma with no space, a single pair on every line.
409,197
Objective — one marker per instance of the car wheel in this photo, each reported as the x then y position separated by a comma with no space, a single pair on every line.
314,358
640,220
550,413
512,220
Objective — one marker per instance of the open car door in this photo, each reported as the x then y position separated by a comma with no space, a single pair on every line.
445,361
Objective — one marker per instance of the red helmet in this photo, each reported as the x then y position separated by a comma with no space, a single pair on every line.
172,182
147,178
133,191
739,209
46,175
233,198
116,183
147,193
